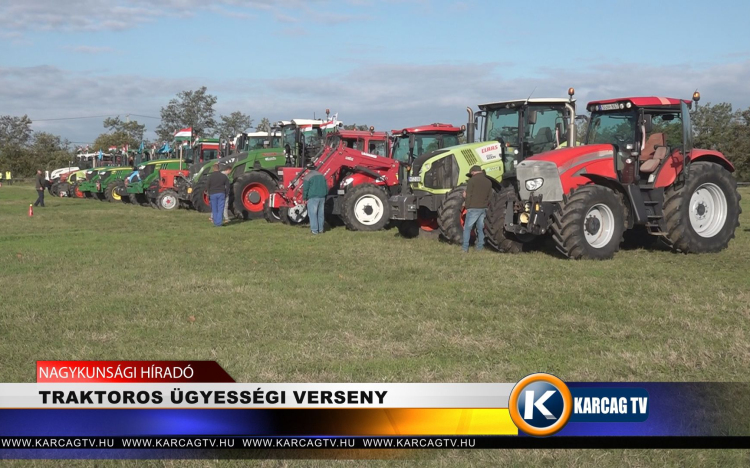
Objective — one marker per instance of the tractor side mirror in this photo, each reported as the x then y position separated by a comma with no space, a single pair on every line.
560,130
411,143
648,123
532,117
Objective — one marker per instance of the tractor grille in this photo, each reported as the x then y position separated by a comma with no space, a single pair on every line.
469,156
443,174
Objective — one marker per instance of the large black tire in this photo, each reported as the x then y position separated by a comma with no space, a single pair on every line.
88,195
709,191
286,219
133,198
167,200
116,186
449,216
197,197
110,193
272,215
251,192
365,208
54,190
594,210
494,226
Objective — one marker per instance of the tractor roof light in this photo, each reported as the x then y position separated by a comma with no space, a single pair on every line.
628,105
696,96
571,92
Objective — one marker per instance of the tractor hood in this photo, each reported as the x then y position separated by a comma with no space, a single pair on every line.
563,155
446,168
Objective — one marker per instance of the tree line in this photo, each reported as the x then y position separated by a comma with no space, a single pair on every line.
23,150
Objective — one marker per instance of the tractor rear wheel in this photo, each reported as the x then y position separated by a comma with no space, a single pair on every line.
589,223
272,215
704,213
199,196
167,200
251,192
365,208
494,226
133,197
54,190
117,190
77,191
451,215
110,193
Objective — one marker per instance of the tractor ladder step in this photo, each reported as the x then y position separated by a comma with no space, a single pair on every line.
654,221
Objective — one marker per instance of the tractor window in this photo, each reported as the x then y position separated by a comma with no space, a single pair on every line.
401,149
290,136
613,128
542,135
671,126
450,140
254,143
502,123
377,148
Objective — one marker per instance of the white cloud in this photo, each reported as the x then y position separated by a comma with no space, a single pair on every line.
83,49
385,95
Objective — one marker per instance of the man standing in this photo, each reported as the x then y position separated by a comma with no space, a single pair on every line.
226,171
314,191
477,195
218,187
39,189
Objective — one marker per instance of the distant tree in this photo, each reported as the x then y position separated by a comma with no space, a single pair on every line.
23,151
264,125
133,129
118,138
190,109
15,130
231,125
718,127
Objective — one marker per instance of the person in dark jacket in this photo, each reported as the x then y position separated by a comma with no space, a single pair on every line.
218,188
40,182
477,197
314,191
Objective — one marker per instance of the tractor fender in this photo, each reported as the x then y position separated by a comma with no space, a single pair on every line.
358,178
672,166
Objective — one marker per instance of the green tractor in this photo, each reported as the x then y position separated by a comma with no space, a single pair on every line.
257,176
109,180
136,184
192,190
87,185
431,194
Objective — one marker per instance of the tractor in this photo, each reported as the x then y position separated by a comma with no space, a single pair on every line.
192,189
359,182
88,186
638,170
69,184
136,184
431,195
256,176
57,177
108,182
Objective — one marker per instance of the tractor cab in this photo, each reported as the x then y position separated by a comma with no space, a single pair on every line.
526,127
256,141
371,142
413,142
203,150
643,132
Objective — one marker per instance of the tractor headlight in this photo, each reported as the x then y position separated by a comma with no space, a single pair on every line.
534,184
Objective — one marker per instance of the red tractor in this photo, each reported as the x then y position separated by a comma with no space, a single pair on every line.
162,193
637,170
360,182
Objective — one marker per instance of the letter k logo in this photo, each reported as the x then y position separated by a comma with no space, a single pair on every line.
528,412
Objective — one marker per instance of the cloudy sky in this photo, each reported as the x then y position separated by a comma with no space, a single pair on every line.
388,63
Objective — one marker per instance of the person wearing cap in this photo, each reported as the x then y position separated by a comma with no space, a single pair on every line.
314,192
218,187
476,198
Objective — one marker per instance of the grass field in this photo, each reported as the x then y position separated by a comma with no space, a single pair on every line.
90,280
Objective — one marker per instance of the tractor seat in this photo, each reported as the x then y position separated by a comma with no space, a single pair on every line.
651,164
656,139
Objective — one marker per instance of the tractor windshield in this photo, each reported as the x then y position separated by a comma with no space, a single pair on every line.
289,135
614,128
255,142
503,123
423,144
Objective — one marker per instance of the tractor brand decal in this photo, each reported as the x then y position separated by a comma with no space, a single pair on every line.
269,154
349,158
490,152
490,169
270,159
370,155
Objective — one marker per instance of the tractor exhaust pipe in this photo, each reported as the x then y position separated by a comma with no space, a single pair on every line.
470,126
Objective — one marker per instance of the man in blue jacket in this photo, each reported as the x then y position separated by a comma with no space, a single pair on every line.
314,191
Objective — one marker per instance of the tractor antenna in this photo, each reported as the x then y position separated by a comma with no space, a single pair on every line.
532,93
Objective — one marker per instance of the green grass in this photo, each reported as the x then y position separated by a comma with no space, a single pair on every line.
91,280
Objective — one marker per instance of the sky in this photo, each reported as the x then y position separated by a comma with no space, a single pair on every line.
387,63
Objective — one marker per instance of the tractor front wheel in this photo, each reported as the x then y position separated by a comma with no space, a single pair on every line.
494,226
111,193
167,200
54,190
272,215
704,213
293,216
365,208
77,191
251,192
589,224
199,196
451,215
